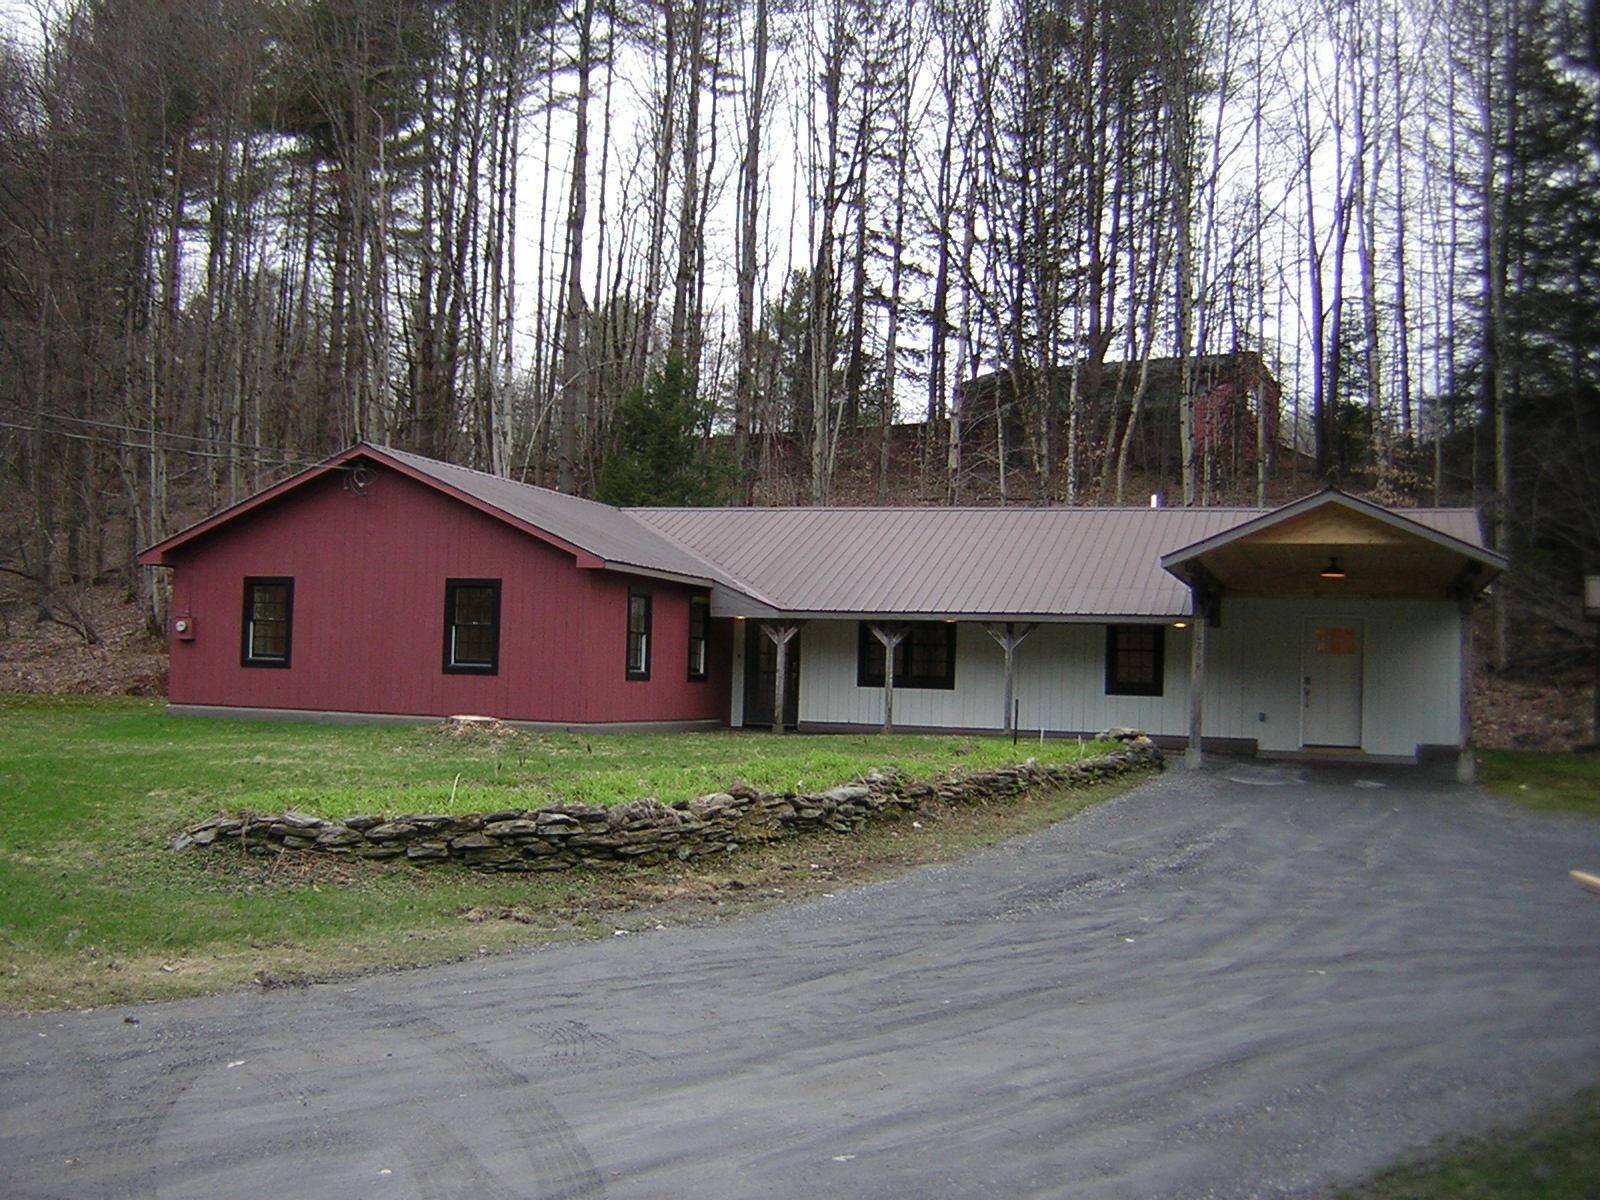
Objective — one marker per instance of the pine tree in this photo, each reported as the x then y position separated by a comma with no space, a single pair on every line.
658,453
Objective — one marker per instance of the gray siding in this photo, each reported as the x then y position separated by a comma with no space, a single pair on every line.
1411,675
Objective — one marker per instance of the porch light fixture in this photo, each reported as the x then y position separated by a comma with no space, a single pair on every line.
1180,624
1333,570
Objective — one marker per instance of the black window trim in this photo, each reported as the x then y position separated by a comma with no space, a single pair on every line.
448,663
1115,685
246,658
649,605
700,615
866,640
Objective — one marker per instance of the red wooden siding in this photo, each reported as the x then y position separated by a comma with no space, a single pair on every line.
369,573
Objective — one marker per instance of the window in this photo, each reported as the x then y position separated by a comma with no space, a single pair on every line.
925,657
268,619
699,633
471,626
1134,660
638,635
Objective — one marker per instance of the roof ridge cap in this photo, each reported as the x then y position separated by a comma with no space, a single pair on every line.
536,487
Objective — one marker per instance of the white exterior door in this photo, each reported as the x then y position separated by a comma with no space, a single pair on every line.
1330,682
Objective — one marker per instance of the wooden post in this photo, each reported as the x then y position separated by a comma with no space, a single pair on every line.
1010,636
1197,679
890,636
781,634
1466,760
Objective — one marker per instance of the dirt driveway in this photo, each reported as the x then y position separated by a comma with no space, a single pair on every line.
1253,981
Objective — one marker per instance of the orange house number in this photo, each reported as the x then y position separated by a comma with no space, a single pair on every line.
1333,640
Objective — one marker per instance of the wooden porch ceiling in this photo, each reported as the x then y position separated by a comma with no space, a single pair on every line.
1379,561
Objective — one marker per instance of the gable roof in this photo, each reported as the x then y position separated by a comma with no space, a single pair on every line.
1051,564
605,533
1415,552
597,535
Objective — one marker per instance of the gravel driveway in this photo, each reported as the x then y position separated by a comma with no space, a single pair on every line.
1255,980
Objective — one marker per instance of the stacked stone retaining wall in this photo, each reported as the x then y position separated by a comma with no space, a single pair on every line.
647,831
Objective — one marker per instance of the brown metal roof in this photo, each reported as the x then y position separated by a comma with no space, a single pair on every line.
966,562
598,534
1057,564
1032,563
607,533
1381,552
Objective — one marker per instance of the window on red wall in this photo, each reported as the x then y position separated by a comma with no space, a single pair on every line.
471,626
268,621
638,635
699,637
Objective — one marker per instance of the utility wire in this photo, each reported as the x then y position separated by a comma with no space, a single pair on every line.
144,432
187,451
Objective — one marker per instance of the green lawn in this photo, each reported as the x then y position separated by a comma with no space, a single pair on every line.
1547,782
1554,1157
95,909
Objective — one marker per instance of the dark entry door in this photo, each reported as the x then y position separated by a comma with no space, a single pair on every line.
761,678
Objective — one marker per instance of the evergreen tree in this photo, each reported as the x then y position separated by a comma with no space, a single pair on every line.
1553,304
659,452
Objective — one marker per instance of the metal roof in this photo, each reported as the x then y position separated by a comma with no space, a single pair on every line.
607,533
1058,564
1438,526
992,562
599,535
1374,552
1030,563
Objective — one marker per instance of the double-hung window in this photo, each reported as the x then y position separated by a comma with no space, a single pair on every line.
471,626
638,635
699,636
925,657
1135,660
268,621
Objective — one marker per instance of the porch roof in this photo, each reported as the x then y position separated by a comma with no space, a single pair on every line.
1333,545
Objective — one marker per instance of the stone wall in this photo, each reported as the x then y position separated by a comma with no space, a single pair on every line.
647,831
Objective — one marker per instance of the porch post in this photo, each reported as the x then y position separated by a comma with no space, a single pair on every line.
890,636
1197,678
1466,761
1009,638
781,634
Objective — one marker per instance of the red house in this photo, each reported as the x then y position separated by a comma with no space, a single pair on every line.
384,583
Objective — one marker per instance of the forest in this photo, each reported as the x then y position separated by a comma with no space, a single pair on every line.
803,252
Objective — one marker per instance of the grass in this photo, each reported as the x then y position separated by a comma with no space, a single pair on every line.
95,910
1545,782
1554,1157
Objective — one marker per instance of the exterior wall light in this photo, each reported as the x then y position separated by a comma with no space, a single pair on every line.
1333,570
